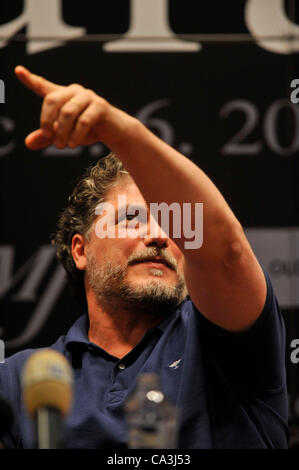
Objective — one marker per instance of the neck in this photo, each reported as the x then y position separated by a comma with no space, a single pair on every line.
115,329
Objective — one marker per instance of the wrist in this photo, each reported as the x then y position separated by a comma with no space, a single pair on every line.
124,130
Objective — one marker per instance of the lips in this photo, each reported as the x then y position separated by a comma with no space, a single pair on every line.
154,260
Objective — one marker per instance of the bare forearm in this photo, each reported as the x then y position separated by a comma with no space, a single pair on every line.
223,277
165,175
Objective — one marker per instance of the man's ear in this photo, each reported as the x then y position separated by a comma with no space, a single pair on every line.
78,251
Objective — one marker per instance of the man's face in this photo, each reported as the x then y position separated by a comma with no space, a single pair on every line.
145,272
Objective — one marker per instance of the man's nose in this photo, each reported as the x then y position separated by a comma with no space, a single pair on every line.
155,234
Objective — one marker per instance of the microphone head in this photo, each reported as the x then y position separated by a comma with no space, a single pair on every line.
6,416
47,379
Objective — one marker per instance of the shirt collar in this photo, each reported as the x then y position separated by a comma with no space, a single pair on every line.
78,333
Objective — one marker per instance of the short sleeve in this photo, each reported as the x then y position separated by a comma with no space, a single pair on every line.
253,360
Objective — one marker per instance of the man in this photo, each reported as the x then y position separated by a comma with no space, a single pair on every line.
219,351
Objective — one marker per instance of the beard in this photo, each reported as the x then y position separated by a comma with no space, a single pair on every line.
153,297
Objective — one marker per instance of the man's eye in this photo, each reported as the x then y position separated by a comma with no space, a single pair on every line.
139,217
131,216
126,217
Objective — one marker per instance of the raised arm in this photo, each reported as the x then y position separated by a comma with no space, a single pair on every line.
223,277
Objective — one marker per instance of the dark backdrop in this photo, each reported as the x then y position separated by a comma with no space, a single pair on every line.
210,78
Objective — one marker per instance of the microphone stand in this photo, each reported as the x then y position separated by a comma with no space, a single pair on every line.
48,424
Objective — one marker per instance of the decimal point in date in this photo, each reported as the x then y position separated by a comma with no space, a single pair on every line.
185,148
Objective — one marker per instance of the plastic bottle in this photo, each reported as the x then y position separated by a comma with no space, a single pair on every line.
151,418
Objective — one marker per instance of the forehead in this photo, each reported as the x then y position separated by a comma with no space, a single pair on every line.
127,187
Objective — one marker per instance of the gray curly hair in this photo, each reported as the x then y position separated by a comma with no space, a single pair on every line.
79,214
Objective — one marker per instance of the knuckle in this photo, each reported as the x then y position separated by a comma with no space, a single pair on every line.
75,87
103,103
90,93
50,100
66,112
87,95
84,121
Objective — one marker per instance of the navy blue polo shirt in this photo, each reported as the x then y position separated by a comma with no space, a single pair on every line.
230,388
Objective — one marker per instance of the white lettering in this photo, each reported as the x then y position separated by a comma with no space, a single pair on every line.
149,31
294,98
36,268
2,92
105,226
197,233
137,225
127,460
264,18
294,355
164,210
43,19
159,221
2,352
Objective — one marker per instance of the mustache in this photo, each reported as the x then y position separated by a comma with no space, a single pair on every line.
153,252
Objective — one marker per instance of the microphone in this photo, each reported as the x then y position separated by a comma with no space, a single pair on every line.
6,416
47,380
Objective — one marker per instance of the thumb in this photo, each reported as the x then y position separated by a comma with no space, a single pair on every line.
38,140
34,82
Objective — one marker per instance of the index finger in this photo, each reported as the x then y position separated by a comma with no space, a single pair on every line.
36,83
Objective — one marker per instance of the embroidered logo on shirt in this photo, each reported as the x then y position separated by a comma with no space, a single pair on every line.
175,364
